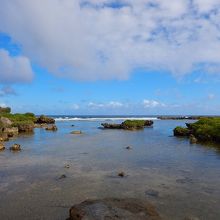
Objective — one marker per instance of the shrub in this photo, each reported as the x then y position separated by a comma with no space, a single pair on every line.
133,124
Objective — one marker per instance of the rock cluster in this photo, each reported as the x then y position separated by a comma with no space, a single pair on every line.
51,128
204,130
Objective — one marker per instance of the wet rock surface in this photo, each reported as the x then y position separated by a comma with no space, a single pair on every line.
51,128
114,209
15,147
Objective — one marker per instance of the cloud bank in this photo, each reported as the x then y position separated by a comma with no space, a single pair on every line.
14,69
106,39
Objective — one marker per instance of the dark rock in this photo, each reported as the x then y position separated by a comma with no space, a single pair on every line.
114,209
148,123
45,120
2,147
15,147
128,148
67,166
25,127
63,176
51,128
121,174
72,125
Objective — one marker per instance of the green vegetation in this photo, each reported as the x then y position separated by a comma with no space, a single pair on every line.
24,122
133,124
205,130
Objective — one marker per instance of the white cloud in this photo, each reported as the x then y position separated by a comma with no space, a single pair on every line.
75,106
3,105
89,40
14,69
111,104
152,104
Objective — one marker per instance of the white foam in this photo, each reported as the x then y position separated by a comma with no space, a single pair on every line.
103,118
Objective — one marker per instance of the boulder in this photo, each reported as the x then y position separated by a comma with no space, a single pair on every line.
51,128
114,209
2,147
27,127
11,132
15,147
76,132
45,120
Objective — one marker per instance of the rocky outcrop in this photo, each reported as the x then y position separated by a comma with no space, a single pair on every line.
15,147
51,128
11,132
129,125
45,120
114,209
206,130
181,132
27,127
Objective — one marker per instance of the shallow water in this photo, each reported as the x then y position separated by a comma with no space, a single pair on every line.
178,178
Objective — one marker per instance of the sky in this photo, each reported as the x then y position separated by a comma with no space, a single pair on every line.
125,57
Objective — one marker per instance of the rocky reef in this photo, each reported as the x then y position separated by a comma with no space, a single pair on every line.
114,209
13,124
204,130
129,125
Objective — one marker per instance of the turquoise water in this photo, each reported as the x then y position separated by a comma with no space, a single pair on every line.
178,178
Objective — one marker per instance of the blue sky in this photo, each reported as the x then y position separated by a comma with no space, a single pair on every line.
134,60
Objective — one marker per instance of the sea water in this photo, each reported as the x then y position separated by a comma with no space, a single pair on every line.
179,179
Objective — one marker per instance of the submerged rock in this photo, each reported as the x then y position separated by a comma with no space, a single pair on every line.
121,174
15,147
114,209
76,132
63,176
51,128
128,148
2,146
